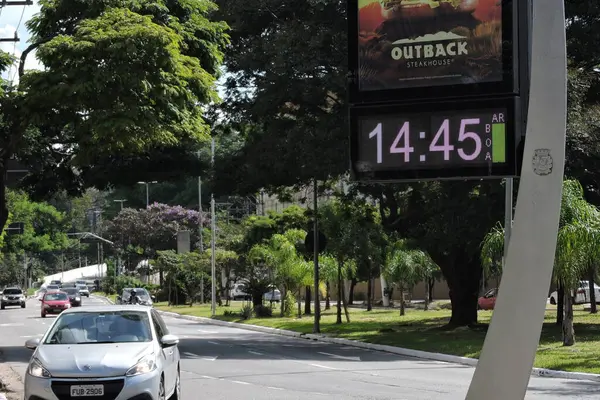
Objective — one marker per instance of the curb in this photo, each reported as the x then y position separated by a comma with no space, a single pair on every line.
472,362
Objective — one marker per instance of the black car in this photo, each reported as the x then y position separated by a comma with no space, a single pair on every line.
74,296
12,296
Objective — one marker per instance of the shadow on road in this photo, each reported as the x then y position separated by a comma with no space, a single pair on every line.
15,354
569,389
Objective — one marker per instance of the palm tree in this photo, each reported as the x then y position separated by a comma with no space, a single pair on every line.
576,249
403,268
425,268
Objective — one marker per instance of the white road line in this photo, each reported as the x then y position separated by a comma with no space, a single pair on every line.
204,331
274,388
322,366
209,358
255,352
240,382
213,342
187,353
208,377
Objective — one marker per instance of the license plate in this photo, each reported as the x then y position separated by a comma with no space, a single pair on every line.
57,309
87,390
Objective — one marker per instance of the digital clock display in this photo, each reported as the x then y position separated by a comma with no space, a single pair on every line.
479,141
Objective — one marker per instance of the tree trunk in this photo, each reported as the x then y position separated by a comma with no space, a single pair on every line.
340,292
426,296
351,292
592,285
464,284
283,294
3,209
568,333
299,303
345,306
369,289
327,295
307,297
402,310
430,286
560,305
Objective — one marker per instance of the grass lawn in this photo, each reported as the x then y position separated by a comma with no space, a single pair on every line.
420,330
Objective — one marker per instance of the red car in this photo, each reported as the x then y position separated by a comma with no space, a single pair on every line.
488,300
54,303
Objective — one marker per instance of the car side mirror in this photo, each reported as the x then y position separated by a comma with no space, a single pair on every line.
169,341
40,299
153,297
32,344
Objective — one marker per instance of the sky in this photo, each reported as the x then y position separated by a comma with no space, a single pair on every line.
9,22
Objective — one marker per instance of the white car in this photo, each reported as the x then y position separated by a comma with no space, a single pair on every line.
105,352
582,295
239,292
272,295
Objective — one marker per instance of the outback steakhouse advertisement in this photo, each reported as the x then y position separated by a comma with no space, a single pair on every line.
416,43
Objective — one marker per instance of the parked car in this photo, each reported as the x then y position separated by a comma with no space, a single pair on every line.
272,295
105,352
581,295
54,302
144,298
238,292
83,290
74,296
12,296
488,300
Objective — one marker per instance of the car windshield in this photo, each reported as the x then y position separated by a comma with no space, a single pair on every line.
82,287
141,293
55,297
52,287
12,291
71,290
100,327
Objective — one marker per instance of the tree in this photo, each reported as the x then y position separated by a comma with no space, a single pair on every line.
287,109
576,250
186,271
45,228
123,79
141,233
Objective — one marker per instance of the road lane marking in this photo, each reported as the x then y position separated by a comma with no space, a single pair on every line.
274,388
209,358
322,366
204,331
339,357
211,342
240,382
187,353
255,352
11,324
208,377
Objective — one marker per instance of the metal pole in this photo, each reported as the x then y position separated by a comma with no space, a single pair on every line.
147,195
200,227
213,305
316,326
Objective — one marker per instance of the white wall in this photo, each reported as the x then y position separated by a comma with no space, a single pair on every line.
91,271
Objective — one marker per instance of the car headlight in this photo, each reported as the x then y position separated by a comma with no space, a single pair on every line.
143,366
37,369
4,298
77,298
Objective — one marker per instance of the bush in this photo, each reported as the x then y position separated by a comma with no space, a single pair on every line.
289,304
246,311
262,311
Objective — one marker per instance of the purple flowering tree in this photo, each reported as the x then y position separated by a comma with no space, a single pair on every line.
139,234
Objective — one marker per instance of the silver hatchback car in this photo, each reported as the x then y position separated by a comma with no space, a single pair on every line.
105,352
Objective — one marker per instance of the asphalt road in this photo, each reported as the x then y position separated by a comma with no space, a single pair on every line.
227,363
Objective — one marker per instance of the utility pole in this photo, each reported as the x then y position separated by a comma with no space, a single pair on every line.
213,217
120,201
316,325
119,260
200,227
147,191
12,39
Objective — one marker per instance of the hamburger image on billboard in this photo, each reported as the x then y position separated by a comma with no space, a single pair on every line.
417,43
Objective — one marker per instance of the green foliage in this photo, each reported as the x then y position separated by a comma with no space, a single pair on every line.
185,271
123,80
44,226
293,124
263,311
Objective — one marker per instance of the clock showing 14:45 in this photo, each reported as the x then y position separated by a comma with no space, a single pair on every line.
432,140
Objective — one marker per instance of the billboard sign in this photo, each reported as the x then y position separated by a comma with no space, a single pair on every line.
430,48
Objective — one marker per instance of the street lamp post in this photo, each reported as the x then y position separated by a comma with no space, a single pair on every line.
200,227
120,201
147,191
213,305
